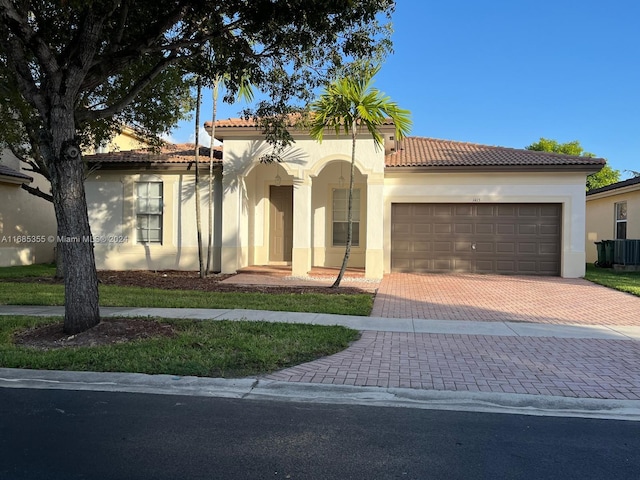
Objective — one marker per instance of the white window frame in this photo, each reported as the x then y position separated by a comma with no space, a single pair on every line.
620,216
149,207
339,216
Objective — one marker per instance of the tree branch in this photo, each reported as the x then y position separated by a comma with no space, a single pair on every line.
37,192
118,106
18,25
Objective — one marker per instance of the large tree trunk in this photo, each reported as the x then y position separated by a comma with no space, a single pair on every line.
70,205
58,259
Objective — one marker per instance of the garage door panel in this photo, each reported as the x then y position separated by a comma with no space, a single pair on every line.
508,238
527,229
527,248
505,211
443,228
463,228
485,247
553,230
442,247
505,229
443,210
485,210
549,248
461,265
463,210
485,229
505,247
421,229
421,246
462,246
443,264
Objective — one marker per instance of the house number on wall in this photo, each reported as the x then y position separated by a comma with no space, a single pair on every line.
476,200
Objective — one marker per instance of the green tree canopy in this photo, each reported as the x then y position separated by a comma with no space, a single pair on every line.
604,177
71,69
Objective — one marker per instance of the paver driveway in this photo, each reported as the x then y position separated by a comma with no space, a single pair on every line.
503,298
549,365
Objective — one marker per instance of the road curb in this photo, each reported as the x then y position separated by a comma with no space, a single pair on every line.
256,389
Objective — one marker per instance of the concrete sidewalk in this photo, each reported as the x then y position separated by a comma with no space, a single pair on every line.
526,367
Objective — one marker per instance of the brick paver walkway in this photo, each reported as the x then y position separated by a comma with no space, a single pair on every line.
500,298
581,368
568,367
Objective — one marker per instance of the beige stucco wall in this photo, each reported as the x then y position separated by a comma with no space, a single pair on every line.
314,170
111,205
600,214
524,187
124,141
27,222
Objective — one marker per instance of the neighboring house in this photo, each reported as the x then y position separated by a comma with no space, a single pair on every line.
27,222
421,205
613,213
142,208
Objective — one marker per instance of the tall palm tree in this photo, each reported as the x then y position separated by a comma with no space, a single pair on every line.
351,104
197,179
245,92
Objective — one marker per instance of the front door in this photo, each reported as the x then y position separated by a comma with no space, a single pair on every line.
281,224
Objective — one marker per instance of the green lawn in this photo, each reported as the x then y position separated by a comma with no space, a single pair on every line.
624,281
34,293
201,348
39,270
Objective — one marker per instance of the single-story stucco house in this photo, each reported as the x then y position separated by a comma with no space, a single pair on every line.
613,213
26,221
421,205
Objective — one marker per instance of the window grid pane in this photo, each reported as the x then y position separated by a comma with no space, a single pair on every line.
341,214
621,221
149,212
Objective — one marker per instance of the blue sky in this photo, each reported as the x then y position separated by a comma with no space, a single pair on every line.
509,72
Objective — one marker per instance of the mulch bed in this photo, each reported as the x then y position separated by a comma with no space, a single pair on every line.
108,332
180,280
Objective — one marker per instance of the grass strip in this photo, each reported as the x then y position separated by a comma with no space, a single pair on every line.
227,349
25,293
628,282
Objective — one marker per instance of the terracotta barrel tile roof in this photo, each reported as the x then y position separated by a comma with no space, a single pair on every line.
430,152
10,172
614,186
170,153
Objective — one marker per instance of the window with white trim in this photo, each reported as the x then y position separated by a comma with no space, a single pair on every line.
340,213
149,212
621,221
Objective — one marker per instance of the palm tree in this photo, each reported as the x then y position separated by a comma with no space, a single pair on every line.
197,179
351,104
245,92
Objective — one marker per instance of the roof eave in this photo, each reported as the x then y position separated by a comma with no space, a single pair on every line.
587,169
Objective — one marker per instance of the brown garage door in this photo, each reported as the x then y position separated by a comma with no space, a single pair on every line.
521,239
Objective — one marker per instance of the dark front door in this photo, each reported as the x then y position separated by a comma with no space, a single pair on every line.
281,223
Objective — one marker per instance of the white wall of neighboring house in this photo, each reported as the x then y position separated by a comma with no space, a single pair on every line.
27,222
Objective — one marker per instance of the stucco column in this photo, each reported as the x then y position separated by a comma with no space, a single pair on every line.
231,213
302,218
374,266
